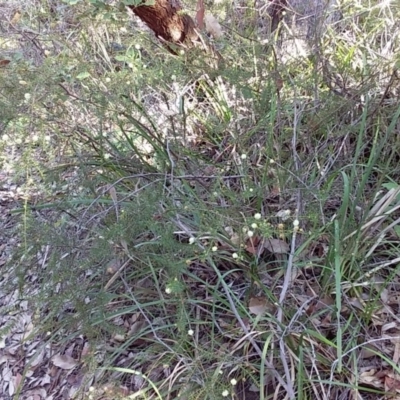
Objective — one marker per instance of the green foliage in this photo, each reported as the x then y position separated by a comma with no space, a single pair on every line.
156,193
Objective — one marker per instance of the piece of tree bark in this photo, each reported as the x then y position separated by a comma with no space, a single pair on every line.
168,21
276,9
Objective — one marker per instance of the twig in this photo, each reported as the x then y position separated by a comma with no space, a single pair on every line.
289,268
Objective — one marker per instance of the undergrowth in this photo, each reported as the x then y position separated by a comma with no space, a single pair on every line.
187,232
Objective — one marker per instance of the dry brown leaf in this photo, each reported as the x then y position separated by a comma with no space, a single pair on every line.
113,194
258,305
323,303
311,309
367,352
138,382
385,295
6,374
371,378
276,246
253,244
137,326
36,394
15,19
69,351
64,362
356,302
44,380
275,191
392,383
86,349
396,353
327,321
11,388
17,380
119,337
233,236
246,322
326,301
38,359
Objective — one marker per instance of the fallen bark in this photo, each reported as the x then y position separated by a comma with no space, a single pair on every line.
168,21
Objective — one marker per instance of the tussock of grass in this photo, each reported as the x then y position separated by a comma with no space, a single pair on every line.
159,199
